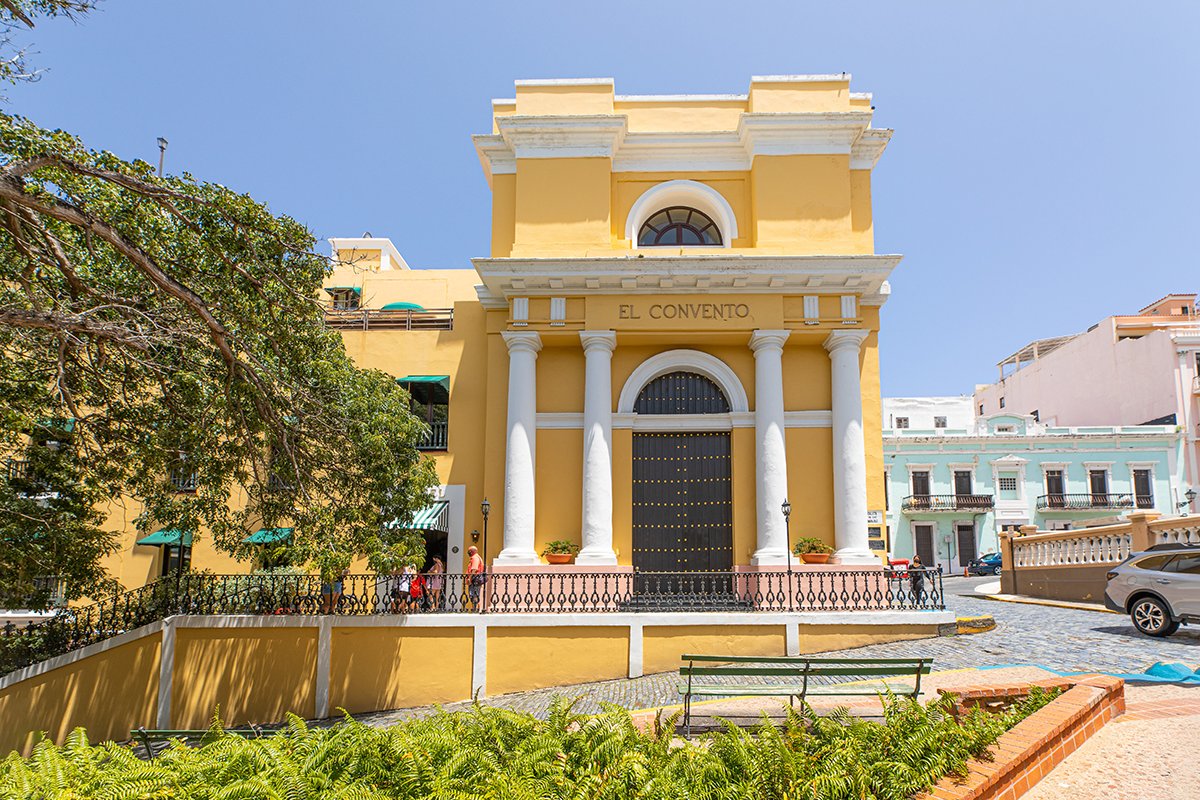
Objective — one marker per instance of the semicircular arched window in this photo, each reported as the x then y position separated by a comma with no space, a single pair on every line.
681,393
679,226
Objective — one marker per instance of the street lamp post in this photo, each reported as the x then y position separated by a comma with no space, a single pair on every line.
787,533
162,154
485,508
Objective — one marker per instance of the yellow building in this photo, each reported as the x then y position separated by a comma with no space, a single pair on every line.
676,330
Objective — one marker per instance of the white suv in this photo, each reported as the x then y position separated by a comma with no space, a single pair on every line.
1158,589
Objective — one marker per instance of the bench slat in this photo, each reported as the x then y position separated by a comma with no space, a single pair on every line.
802,659
799,671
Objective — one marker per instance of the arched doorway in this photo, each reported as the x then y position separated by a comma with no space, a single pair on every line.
682,479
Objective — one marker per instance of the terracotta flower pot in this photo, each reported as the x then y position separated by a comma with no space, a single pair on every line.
815,558
559,558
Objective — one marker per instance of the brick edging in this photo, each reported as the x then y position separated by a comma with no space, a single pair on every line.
1025,754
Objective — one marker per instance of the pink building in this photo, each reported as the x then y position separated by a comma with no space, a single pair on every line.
1140,369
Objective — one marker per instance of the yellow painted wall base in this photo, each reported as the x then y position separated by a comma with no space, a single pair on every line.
257,670
374,668
520,659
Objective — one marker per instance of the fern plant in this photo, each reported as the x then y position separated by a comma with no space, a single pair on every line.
497,754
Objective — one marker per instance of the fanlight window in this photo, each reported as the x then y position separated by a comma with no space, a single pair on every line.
681,393
679,226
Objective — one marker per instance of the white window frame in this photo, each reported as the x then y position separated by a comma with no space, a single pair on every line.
1147,465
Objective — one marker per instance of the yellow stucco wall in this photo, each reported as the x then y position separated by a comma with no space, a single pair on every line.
823,638
662,645
109,694
562,205
520,659
250,674
397,667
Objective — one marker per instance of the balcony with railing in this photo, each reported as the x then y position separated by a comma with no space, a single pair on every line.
923,503
436,438
1090,501
405,319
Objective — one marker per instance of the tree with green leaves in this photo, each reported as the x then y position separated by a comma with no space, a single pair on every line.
175,327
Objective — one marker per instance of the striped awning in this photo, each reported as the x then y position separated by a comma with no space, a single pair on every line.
434,517
168,536
268,535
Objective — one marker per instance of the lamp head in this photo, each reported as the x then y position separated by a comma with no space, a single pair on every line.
485,508
1190,494
787,509
475,536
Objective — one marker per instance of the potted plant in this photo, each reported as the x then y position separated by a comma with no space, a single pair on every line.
560,551
812,550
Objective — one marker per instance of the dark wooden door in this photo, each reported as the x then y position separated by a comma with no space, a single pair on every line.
967,551
923,536
682,502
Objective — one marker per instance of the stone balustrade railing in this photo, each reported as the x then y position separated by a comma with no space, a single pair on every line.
1072,564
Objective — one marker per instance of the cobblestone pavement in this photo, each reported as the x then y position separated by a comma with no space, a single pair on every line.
1060,638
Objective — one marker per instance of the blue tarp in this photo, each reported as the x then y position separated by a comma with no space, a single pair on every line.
1159,673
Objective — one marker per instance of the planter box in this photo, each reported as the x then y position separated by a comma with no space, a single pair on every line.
1037,744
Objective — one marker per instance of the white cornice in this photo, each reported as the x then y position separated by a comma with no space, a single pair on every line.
565,82
787,134
723,273
869,147
488,300
817,78
607,135
576,136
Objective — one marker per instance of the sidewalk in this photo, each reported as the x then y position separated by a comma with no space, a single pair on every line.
1141,754
991,591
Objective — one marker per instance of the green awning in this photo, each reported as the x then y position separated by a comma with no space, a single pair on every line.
434,389
355,289
403,307
166,536
268,535
434,517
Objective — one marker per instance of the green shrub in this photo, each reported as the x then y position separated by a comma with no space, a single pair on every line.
496,753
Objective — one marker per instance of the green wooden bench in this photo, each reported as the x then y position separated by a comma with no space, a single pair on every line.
797,673
149,736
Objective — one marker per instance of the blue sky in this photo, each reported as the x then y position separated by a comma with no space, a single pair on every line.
1042,175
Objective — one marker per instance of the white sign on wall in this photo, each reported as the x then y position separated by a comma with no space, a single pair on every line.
874,517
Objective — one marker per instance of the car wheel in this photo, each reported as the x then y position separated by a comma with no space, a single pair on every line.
1151,617
996,570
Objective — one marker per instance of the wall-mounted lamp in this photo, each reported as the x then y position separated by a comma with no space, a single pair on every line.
1189,497
475,537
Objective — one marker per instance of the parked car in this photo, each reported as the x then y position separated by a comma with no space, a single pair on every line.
987,564
1159,589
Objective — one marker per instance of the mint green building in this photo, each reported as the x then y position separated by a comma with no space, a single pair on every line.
951,489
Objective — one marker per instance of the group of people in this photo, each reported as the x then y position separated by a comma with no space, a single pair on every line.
410,591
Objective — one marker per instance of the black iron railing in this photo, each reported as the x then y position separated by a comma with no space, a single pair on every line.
947,502
548,592
1083,502
436,438
407,319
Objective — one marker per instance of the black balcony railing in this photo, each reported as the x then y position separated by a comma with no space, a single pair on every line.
436,438
548,592
408,319
1084,502
947,502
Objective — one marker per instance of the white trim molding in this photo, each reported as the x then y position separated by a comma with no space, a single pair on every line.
692,194
692,360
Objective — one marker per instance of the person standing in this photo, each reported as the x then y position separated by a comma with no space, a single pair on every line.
437,573
916,572
475,575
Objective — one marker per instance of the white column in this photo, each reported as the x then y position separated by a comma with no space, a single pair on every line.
770,449
520,448
849,450
597,448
